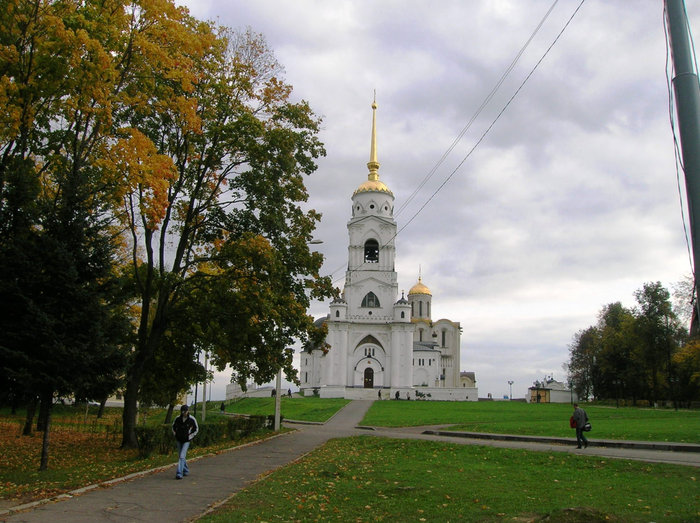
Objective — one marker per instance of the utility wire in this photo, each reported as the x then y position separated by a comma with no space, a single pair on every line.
498,116
482,137
483,105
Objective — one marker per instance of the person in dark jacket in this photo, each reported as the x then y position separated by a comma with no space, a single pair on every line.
184,429
580,418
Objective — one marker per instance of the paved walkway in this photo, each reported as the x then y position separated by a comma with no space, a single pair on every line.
158,497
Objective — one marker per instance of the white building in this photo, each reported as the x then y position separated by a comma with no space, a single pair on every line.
378,344
551,391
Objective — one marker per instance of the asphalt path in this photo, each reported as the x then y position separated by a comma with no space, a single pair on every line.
156,496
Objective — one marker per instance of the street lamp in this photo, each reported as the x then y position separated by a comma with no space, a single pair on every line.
510,384
278,396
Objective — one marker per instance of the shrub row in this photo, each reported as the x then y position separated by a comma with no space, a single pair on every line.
160,439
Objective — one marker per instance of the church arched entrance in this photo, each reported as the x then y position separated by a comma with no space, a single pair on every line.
369,378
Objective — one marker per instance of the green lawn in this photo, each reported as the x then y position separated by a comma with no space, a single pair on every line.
85,450
294,408
375,479
549,419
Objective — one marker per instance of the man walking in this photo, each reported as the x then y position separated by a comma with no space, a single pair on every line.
580,419
184,429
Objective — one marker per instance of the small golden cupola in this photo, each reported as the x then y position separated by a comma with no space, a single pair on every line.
373,183
419,288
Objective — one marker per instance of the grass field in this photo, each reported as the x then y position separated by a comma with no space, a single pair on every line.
85,450
375,479
548,419
503,417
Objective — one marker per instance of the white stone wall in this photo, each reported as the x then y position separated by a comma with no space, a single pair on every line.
426,368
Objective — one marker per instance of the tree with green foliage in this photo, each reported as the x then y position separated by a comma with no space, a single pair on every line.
231,230
630,352
620,376
58,243
660,336
129,123
582,367
686,362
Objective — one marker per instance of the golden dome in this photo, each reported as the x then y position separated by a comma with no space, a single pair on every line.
419,288
373,186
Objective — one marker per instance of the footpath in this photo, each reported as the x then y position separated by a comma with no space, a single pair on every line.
155,496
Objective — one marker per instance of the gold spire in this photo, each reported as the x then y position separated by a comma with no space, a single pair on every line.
373,164
373,184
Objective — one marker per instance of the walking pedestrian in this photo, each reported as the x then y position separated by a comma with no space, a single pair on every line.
184,429
580,418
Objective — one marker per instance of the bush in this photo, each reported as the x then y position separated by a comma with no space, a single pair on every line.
160,438
242,426
151,439
209,434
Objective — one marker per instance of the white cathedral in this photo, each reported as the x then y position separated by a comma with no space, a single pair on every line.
380,346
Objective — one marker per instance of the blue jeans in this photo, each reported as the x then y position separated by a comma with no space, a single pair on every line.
182,468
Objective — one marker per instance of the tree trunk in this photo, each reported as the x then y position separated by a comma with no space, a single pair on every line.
44,408
101,410
144,351
47,428
169,414
31,409
129,415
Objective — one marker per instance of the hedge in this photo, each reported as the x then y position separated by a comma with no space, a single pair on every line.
160,439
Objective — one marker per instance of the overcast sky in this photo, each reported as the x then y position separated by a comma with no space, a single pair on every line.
569,203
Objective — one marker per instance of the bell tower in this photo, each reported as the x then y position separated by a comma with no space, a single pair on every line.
371,286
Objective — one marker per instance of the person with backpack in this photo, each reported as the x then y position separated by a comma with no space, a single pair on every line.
184,429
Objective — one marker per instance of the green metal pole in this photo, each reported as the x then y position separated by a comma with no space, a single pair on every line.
687,93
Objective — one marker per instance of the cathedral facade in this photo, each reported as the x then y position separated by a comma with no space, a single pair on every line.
379,345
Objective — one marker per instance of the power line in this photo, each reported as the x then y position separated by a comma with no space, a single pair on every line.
493,123
483,105
481,138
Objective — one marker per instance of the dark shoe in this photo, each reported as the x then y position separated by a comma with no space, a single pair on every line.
585,445
178,477
185,473
578,447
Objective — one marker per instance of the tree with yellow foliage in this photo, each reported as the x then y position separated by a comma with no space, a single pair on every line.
132,125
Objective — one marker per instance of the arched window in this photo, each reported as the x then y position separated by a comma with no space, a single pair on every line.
337,314
420,308
428,307
371,251
403,314
370,300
